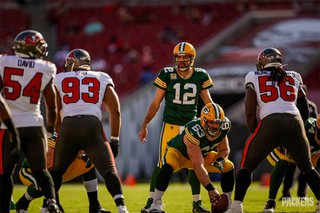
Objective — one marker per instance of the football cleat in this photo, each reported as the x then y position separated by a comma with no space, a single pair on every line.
100,210
236,207
22,211
146,209
122,209
157,207
270,206
197,207
12,205
53,207
22,204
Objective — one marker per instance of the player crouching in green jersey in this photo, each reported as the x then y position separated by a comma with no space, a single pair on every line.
202,146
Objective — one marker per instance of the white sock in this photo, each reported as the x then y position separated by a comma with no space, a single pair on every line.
196,197
158,195
229,195
237,202
91,185
151,194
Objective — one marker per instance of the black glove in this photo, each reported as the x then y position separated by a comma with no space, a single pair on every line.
219,164
114,143
86,159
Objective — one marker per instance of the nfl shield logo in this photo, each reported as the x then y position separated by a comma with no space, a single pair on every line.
173,76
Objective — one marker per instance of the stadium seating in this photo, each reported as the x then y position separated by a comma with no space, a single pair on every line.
143,29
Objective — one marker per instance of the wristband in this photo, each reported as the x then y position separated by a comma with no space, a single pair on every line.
209,187
115,138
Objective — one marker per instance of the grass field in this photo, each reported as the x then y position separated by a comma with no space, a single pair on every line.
177,199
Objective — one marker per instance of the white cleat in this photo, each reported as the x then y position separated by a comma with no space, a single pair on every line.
122,209
236,207
157,207
43,210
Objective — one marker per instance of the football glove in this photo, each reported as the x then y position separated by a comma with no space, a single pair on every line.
219,164
52,135
86,159
52,138
114,143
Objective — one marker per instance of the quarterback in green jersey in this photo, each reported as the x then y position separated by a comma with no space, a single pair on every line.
181,86
203,147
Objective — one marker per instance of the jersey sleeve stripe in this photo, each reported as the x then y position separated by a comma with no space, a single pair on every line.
207,84
192,139
250,85
51,143
160,83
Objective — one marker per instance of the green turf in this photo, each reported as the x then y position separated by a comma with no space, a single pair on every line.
177,199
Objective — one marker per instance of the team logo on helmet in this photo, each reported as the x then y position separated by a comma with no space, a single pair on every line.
30,44
269,57
212,119
77,59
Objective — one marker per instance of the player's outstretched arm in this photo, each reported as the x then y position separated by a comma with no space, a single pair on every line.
112,104
250,103
49,94
152,111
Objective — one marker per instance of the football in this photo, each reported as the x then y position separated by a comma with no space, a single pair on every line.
220,204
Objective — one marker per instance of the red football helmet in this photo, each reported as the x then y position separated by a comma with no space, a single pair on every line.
30,44
269,57
77,59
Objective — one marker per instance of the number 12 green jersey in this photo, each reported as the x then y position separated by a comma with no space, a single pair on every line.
182,95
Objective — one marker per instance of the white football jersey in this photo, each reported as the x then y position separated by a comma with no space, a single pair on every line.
22,83
273,98
82,92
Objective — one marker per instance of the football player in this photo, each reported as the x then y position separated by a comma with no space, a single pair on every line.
195,148
79,166
280,160
181,86
25,78
282,107
81,92
290,170
5,117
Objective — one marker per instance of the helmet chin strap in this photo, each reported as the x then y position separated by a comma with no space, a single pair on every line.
183,69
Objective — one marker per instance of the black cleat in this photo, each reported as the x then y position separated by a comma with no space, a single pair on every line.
146,209
198,208
270,206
